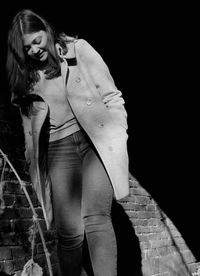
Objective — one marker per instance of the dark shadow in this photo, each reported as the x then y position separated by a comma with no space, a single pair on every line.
12,138
163,160
129,252
87,265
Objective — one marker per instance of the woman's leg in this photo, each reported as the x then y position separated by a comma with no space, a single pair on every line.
65,171
97,196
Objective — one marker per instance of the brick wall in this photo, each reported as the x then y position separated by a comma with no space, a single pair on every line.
162,248
164,251
16,220
148,242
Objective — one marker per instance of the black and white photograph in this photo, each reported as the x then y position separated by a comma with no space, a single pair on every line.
99,143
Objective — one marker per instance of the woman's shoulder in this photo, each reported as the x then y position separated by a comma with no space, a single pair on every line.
81,46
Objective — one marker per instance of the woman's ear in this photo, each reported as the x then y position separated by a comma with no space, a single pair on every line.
59,50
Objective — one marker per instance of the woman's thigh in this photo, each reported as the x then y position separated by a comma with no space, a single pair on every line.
66,176
80,184
97,191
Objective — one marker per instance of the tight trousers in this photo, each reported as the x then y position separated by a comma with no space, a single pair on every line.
82,198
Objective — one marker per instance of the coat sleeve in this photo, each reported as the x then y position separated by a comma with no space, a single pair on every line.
27,108
103,80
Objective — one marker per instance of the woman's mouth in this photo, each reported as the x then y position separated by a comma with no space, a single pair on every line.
39,55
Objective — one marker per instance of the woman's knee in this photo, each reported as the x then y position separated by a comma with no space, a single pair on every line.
97,222
70,241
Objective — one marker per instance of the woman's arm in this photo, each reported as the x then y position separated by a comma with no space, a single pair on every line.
103,80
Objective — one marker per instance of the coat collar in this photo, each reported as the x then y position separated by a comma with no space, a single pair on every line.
71,53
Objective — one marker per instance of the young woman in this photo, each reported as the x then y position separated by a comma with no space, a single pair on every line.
75,136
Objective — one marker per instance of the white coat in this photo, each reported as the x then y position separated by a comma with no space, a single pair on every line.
99,108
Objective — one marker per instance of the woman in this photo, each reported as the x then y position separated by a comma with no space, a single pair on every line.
75,136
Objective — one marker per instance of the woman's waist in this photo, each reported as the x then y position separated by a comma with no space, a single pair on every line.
63,130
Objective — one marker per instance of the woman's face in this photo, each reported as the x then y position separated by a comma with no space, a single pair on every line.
35,45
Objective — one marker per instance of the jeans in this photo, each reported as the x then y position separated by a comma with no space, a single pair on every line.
82,198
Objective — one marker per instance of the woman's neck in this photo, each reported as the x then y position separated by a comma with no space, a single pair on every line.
41,66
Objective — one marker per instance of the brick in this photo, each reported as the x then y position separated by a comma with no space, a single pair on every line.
9,199
7,267
145,245
5,253
132,214
164,251
174,265
12,238
142,229
133,182
7,238
139,207
158,243
157,266
152,214
142,200
127,199
179,240
154,221
5,226
182,246
144,215
140,222
147,267
23,225
188,256
155,229
175,234
151,207
151,253
138,191
13,187
9,213
20,252
25,212
129,206
21,200
18,264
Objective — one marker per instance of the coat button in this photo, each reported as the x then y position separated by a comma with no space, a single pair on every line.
89,102
78,79
101,125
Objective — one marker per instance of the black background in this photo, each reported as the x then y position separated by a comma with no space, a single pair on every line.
151,53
